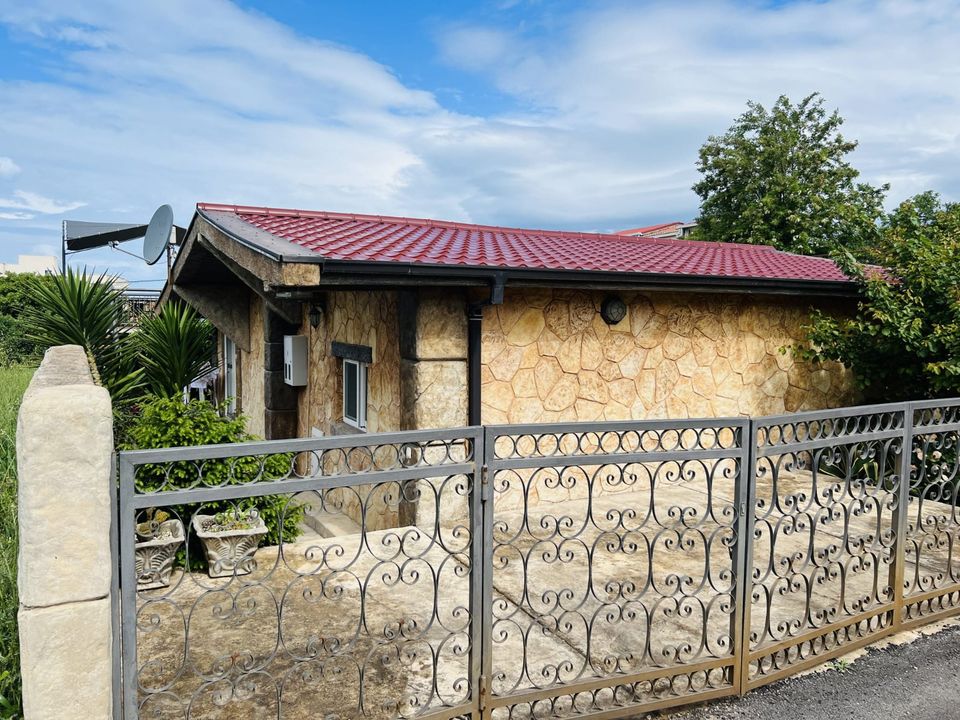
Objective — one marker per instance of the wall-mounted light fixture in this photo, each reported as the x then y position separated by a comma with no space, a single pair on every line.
613,309
315,314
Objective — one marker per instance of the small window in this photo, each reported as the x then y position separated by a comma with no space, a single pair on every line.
355,394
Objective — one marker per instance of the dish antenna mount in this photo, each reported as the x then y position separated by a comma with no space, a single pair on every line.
157,239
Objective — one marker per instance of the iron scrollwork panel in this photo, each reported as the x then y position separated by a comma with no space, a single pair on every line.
932,574
239,608
824,542
613,567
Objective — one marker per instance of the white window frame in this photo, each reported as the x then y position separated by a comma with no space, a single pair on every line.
360,422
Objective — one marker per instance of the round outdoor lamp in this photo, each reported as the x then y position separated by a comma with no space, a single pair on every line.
613,309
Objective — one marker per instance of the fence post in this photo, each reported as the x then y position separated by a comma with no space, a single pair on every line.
744,501
65,568
899,520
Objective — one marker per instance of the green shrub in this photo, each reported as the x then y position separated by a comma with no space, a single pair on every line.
174,346
169,422
77,309
16,299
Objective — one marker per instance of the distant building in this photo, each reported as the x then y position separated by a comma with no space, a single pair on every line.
675,229
35,264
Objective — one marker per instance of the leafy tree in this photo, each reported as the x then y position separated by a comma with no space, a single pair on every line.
903,341
76,309
16,298
174,346
781,177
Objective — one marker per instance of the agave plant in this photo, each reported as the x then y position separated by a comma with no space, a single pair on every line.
174,347
75,308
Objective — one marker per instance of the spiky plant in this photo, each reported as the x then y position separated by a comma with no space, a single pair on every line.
174,346
75,308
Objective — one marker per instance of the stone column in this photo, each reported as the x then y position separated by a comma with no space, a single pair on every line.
64,464
433,359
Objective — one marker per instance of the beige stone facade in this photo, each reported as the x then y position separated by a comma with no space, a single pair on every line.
251,380
548,356
356,318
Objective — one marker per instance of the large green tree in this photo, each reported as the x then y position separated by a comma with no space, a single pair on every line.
781,177
903,341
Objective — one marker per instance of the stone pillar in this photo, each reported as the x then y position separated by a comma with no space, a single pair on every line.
64,464
433,360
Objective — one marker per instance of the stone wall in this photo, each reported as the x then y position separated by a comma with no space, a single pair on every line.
251,375
433,348
357,318
64,575
548,356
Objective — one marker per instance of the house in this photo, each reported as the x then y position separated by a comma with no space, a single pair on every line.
675,229
33,264
396,323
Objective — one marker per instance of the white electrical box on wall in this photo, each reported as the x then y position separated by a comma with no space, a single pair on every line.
295,360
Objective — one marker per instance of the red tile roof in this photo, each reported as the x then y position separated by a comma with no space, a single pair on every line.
373,238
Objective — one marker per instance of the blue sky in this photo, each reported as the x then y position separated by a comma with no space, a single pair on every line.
574,115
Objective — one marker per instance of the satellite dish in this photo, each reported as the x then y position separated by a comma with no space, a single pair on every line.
157,239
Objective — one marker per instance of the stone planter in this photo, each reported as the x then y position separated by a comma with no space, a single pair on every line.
155,553
229,552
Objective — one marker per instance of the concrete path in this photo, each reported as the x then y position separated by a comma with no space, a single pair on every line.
915,681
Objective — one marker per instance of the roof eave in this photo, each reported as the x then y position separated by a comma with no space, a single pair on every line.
355,273
348,272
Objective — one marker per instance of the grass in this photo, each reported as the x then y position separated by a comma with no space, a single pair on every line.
13,382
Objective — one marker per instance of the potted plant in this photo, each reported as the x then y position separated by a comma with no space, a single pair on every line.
230,540
158,539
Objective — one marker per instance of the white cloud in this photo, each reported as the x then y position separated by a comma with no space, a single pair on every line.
8,167
16,215
23,200
183,101
625,93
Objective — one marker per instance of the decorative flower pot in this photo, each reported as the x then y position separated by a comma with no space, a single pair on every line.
155,551
229,552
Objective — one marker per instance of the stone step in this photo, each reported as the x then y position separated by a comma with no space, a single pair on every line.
327,524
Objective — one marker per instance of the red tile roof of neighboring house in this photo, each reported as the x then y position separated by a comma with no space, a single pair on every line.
380,239
651,229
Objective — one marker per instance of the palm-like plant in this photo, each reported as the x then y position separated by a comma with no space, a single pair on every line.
174,348
74,308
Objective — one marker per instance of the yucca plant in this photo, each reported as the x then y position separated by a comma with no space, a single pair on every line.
174,347
74,308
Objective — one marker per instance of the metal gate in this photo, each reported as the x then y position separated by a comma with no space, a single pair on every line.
547,571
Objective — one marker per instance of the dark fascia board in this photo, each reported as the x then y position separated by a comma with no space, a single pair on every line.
373,274
380,274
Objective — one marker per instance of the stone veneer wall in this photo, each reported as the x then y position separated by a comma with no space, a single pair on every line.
548,356
417,378
251,375
358,318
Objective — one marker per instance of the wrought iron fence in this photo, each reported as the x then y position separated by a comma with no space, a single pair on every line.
541,571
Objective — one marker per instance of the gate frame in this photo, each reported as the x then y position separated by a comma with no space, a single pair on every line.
741,451
130,501
481,466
